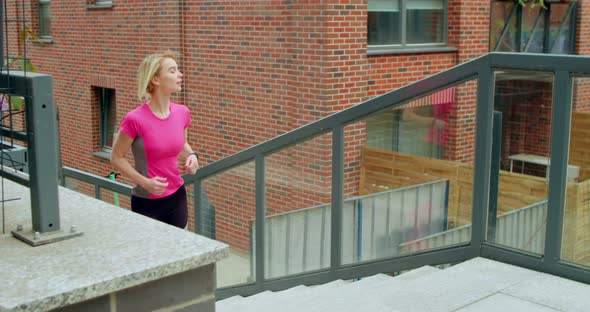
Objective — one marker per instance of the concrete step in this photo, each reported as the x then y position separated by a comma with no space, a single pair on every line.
446,290
475,285
228,302
346,297
245,301
260,302
294,295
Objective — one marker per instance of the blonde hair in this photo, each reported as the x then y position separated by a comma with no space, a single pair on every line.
150,67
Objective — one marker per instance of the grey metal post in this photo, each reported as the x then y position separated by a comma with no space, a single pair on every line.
337,197
198,206
42,144
560,138
483,157
495,176
260,216
41,138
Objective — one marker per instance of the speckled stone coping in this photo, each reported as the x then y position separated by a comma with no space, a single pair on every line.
119,249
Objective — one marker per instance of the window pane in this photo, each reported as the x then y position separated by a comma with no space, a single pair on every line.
533,29
560,30
500,13
383,28
44,19
425,5
106,98
383,6
504,27
110,125
424,21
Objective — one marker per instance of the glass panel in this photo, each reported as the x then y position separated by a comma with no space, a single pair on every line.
298,209
232,197
521,147
533,29
575,245
409,177
424,21
503,27
560,28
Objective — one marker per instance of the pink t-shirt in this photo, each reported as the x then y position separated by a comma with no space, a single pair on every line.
156,144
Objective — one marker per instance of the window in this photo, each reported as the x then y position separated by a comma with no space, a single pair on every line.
106,101
44,19
533,29
98,4
406,23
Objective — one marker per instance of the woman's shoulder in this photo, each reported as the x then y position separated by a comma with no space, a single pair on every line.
137,112
179,107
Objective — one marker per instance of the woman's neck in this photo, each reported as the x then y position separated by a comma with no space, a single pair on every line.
160,105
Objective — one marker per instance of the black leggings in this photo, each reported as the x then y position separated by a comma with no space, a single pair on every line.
170,209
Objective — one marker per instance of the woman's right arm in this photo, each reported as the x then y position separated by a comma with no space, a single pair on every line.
155,185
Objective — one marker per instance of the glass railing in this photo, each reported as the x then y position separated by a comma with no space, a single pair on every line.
497,139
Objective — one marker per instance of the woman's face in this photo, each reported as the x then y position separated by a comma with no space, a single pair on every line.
169,78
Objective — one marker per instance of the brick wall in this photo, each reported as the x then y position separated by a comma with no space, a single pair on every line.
253,70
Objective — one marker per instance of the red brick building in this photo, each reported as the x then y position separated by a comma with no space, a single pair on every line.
257,69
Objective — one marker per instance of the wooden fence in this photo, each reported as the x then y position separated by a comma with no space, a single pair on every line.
382,170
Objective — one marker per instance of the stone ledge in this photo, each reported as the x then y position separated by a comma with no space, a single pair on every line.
118,250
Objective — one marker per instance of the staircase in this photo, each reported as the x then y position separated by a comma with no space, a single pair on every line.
476,285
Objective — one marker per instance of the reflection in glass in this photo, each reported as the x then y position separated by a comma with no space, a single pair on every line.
533,29
298,210
575,247
521,145
560,28
518,28
424,21
503,28
383,24
416,174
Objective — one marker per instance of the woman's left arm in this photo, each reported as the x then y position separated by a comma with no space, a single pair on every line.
191,163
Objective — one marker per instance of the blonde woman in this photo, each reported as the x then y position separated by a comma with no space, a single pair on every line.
156,133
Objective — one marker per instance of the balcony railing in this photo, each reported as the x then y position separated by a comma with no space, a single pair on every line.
254,180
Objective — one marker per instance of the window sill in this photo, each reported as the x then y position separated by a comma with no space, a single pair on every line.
46,39
102,154
99,6
388,51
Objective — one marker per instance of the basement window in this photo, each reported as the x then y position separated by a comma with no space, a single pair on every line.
99,4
